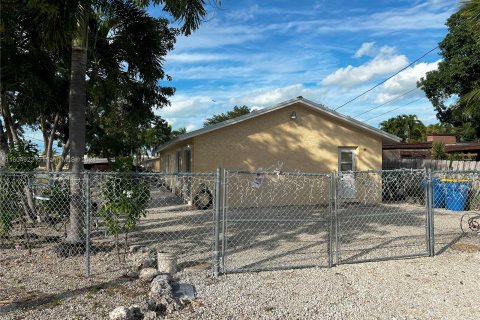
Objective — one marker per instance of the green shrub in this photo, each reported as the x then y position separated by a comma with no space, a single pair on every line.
22,157
438,151
124,201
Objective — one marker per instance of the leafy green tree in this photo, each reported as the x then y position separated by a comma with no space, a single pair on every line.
65,26
236,112
453,88
407,127
178,132
126,97
471,11
464,132
159,133
440,128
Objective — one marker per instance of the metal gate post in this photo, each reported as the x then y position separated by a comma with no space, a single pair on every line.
430,219
224,217
216,250
330,222
87,223
335,215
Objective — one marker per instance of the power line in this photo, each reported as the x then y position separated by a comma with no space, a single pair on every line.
385,103
378,84
403,105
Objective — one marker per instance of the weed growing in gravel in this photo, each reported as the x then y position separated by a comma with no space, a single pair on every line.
94,290
54,303
269,309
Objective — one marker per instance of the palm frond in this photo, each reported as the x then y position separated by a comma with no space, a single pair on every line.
471,101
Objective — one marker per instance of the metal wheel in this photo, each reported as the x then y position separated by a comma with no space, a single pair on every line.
470,222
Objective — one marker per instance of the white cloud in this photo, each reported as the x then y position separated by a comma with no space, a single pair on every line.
405,81
210,72
215,35
269,97
198,57
365,49
191,111
384,63
183,106
420,17
243,14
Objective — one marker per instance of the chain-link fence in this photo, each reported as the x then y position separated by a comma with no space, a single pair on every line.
381,215
456,208
235,221
274,220
100,220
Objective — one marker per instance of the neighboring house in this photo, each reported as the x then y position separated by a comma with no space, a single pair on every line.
299,134
422,150
92,164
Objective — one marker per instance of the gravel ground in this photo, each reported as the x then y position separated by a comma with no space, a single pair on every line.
43,286
443,287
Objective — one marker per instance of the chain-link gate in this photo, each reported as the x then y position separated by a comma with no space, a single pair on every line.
274,220
381,215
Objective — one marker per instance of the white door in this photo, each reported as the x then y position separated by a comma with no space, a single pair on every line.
346,175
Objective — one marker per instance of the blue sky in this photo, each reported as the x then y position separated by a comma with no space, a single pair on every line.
258,53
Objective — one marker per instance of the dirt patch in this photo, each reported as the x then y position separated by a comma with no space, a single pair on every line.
466,247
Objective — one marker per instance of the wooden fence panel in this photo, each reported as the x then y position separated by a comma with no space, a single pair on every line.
441,165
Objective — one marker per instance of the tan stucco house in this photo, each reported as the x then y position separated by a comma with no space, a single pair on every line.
299,134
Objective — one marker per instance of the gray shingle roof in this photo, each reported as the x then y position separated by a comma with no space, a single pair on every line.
386,137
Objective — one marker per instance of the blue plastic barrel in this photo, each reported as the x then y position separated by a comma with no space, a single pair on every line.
456,195
438,193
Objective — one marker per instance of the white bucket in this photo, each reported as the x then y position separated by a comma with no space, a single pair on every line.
167,263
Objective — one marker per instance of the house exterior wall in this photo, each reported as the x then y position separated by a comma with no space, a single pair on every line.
169,161
310,143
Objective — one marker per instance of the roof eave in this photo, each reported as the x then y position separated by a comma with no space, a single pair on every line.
386,137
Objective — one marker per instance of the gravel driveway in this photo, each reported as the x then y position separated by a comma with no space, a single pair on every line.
443,287
42,286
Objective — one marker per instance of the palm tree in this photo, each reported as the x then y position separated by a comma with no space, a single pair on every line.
407,127
61,24
189,12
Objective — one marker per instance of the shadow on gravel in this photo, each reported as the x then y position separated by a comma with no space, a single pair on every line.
43,300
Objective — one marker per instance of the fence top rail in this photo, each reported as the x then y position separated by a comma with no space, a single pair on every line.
107,173
279,173
455,171
404,170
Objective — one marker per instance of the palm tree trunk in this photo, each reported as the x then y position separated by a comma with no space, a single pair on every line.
77,110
